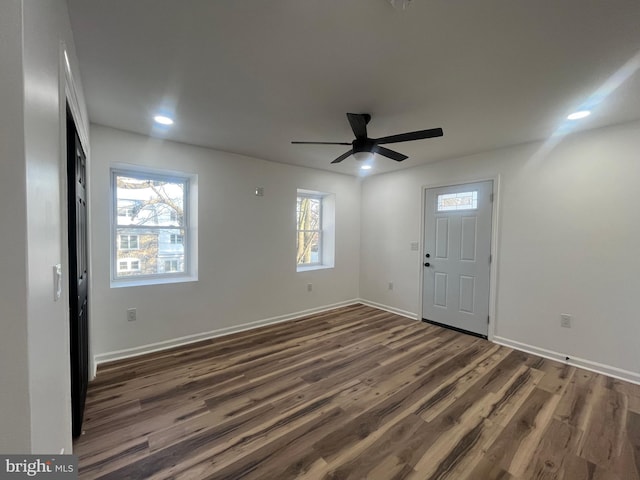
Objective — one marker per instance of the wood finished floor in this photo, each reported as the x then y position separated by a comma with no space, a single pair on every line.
356,393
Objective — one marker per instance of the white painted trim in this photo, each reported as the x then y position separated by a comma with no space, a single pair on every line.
387,308
495,223
603,369
596,367
177,342
69,94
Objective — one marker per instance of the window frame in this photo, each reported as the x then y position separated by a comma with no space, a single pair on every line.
188,226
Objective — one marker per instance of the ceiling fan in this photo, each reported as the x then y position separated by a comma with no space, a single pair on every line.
365,145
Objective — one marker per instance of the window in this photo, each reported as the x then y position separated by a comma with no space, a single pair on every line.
128,265
448,202
128,211
176,239
171,265
309,227
315,214
152,221
128,242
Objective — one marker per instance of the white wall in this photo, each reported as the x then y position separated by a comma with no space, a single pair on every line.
14,374
46,27
35,401
568,240
246,269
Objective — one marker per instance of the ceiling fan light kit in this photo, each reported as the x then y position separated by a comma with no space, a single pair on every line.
363,147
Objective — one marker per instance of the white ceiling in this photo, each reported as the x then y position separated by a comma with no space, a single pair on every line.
249,76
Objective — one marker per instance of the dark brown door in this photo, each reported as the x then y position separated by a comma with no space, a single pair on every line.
78,273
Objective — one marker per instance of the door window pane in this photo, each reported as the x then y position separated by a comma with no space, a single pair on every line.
448,202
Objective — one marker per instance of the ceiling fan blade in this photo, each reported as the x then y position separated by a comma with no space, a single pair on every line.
398,157
407,137
343,156
321,143
358,122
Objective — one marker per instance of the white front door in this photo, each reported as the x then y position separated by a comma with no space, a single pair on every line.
457,256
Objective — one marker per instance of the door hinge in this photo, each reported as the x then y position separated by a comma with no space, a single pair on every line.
490,258
491,197
487,319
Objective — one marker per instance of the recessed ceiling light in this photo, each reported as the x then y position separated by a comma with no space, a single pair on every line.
162,120
365,167
579,114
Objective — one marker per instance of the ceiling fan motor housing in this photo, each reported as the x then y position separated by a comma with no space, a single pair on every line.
363,145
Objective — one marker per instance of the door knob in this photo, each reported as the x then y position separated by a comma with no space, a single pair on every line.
427,264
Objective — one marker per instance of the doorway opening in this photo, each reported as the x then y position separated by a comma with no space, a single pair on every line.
78,273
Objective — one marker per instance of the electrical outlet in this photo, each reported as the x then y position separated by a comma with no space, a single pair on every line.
131,315
565,320
309,287
390,285
414,246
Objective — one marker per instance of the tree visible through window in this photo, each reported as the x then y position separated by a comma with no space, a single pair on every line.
150,224
309,230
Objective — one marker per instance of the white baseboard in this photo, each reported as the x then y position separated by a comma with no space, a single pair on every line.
177,342
596,367
398,311
608,370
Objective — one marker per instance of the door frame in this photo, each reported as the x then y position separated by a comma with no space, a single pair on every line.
493,269
68,94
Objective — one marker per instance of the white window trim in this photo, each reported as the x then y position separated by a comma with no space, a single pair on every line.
327,230
190,240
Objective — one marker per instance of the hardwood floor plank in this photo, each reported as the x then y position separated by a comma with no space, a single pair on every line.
356,393
487,470
365,462
548,460
504,404
556,375
605,431
577,467
397,404
516,443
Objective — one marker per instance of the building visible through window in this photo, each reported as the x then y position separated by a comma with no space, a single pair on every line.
150,226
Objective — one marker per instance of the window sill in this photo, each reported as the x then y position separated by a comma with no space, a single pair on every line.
141,282
313,267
